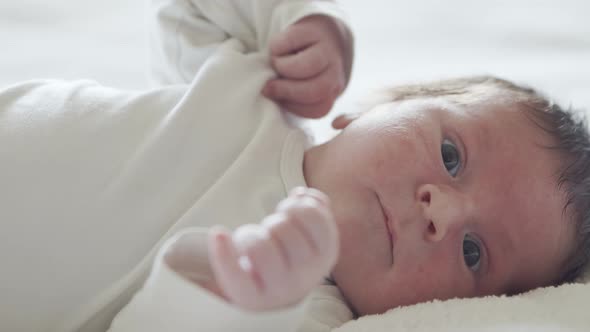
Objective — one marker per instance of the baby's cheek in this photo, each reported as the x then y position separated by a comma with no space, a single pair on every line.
430,271
426,283
397,153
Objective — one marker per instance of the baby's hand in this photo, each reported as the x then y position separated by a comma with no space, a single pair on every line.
312,58
279,261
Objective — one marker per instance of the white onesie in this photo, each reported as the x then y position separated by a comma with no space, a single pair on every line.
95,180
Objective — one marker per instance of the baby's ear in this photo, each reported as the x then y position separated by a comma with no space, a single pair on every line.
342,121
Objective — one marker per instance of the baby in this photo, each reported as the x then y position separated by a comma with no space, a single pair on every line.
456,188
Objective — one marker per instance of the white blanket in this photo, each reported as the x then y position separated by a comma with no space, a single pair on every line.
545,43
548,309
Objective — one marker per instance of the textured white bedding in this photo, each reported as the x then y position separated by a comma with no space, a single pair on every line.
545,43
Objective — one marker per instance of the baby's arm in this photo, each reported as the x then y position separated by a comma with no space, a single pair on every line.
259,273
279,261
269,265
309,41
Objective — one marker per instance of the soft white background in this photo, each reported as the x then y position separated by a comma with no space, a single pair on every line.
545,43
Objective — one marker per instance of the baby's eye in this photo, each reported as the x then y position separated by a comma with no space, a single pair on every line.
471,252
451,157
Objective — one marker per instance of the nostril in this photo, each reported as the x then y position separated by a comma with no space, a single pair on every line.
431,228
425,197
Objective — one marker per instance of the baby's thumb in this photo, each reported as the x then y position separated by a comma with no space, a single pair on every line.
186,254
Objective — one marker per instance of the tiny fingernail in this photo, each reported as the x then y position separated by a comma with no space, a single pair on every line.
220,237
298,191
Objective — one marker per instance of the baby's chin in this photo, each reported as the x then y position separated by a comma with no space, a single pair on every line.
357,284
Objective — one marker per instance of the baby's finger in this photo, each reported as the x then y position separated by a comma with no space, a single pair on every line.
343,120
234,279
297,194
311,192
313,111
266,256
326,85
292,40
316,222
295,247
307,263
305,64
319,223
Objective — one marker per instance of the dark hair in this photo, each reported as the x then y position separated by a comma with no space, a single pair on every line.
566,127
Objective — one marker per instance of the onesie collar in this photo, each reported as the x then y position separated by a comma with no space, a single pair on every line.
292,160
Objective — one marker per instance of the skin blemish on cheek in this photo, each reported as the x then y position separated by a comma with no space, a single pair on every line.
420,270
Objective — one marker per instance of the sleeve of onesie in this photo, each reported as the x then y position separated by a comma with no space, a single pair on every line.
184,33
168,302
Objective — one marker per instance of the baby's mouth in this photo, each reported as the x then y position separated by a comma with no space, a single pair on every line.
387,220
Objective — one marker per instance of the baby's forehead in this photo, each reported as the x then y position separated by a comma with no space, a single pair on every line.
518,188
473,100
491,116
473,95
493,110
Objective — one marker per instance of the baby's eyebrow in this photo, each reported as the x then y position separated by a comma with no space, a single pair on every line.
501,248
479,134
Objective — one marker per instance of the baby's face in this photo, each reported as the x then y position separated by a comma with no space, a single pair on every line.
434,200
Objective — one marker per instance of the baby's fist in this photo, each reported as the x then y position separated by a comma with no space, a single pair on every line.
278,262
313,60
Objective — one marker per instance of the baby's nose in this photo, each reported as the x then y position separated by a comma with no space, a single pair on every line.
443,209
